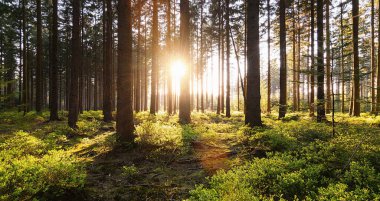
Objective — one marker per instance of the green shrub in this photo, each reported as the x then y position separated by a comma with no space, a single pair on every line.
28,170
168,136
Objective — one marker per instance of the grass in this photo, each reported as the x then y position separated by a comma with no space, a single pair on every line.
214,158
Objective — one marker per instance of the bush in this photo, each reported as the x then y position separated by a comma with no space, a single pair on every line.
28,170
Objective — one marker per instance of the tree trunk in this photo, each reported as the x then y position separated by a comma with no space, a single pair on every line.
54,66
378,68
39,90
218,106
342,57
124,118
253,110
269,58
168,44
294,59
24,60
283,105
75,67
328,58
184,102
312,72
373,61
321,68
107,68
228,92
356,87
153,95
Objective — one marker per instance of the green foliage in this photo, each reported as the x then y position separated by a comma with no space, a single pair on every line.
159,134
303,162
129,171
28,169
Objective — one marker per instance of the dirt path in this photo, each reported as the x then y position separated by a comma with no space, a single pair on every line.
162,175
213,154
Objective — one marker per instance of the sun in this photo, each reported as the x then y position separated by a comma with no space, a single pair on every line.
177,69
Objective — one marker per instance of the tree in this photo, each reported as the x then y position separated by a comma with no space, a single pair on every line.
378,69
168,44
124,117
25,80
228,91
373,59
312,66
269,70
184,102
76,61
320,65
107,68
253,110
283,105
328,58
355,41
54,65
153,95
39,78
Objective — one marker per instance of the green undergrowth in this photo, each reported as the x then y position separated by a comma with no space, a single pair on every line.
293,158
297,159
37,156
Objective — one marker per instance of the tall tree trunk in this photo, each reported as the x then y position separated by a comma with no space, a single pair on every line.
54,66
168,44
24,60
201,70
124,118
39,89
153,95
283,105
228,92
294,58
107,69
218,106
321,68
342,57
145,68
373,60
355,28
269,58
75,67
299,56
184,102
328,58
378,67
138,59
312,71
253,110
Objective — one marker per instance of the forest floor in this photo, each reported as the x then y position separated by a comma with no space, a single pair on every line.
168,161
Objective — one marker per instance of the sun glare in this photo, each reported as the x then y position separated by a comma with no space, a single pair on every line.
177,69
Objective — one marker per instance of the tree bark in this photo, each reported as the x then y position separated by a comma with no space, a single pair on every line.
124,117
153,95
168,44
328,58
253,110
184,102
312,72
39,89
75,67
54,66
107,69
355,28
228,91
283,105
269,58
321,116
